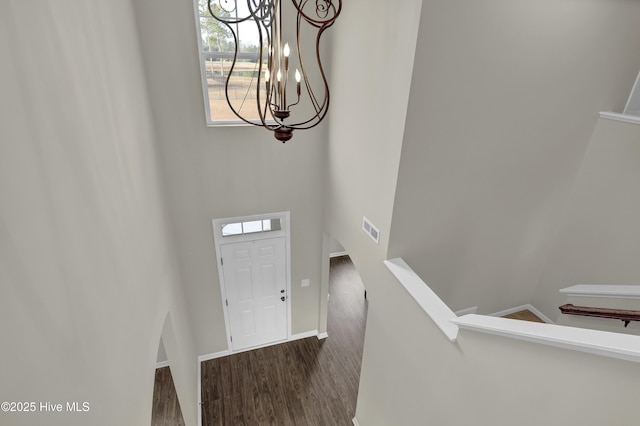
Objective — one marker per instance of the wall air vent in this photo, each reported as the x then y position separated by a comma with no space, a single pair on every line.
370,230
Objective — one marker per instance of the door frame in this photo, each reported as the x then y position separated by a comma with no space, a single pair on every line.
219,240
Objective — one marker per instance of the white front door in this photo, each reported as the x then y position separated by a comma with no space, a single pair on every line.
255,281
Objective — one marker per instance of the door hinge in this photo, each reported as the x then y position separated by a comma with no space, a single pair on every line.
222,261
226,302
231,338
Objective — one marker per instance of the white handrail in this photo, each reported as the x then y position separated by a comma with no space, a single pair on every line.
426,298
614,345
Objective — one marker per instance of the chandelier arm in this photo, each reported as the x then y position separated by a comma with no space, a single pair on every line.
226,85
321,110
282,92
312,96
264,6
225,19
235,7
271,93
244,99
277,124
270,86
294,104
261,113
322,6
268,106
308,87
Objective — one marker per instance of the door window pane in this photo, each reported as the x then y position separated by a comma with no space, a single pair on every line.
232,229
251,227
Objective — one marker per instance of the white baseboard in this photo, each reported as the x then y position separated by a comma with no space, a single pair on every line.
162,364
323,335
532,308
338,254
540,315
355,422
310,333
471,310
207,357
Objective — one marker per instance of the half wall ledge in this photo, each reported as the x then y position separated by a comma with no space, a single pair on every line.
428,300
616,116
610,291
613,345
604,343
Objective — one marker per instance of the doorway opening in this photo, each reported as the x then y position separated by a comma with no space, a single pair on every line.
347,295
166,407
165,410
347,308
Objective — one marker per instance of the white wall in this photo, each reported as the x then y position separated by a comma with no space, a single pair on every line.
599,241
336,247
504,98
224,172
87,271
372,60
162,353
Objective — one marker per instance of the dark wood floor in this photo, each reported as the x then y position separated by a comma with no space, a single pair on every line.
305,382
166,409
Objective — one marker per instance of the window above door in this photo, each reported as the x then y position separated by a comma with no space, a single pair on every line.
245,228
252,227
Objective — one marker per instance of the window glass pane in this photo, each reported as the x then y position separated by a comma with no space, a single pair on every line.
217,56
273,224
232,229
250,227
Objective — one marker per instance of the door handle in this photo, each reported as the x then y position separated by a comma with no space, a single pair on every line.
282,298
281,291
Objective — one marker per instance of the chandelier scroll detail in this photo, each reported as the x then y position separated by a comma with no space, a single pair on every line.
280,88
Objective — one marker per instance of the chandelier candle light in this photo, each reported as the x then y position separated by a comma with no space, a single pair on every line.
271,98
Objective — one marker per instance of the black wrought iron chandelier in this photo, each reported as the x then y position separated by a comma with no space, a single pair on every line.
274,97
